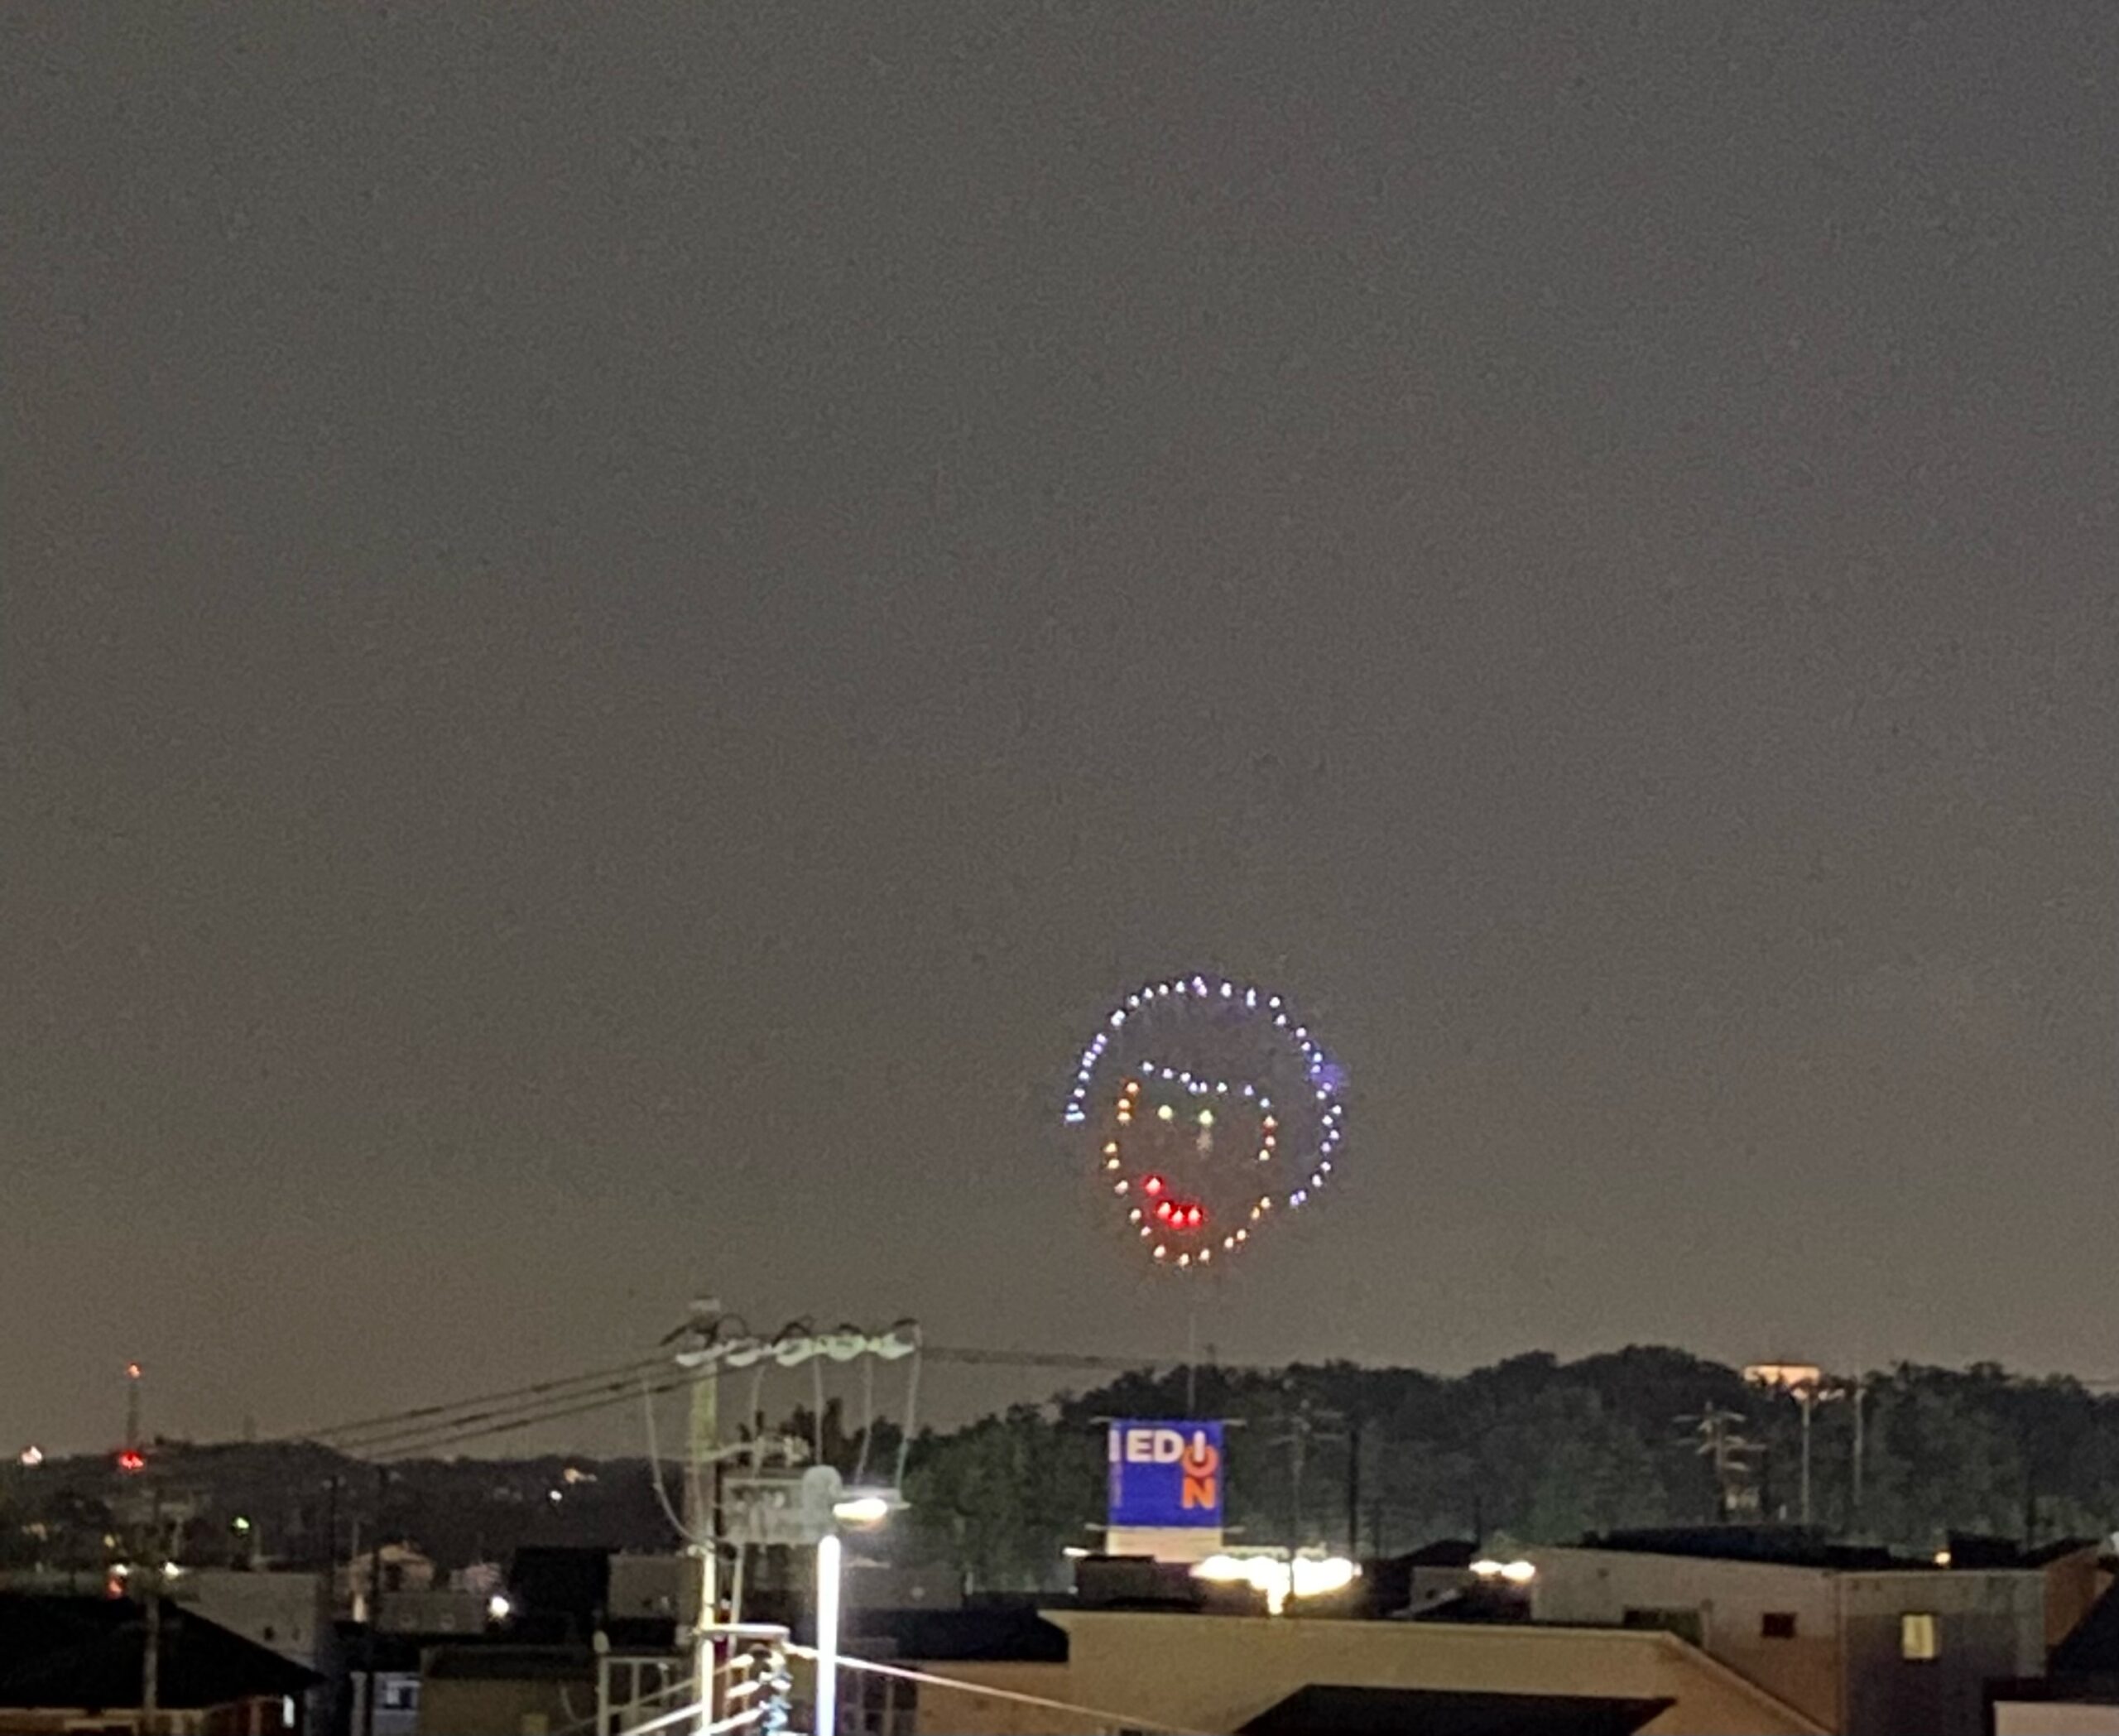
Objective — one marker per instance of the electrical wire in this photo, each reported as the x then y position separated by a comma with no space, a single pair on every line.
1090,1715
520,1414
1050,1359
483,1415
554,1399
456,1436
396,1421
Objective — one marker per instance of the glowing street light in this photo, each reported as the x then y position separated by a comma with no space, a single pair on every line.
830,1554
862,1510
859,1509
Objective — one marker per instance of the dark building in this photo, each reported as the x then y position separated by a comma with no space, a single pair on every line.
68,1662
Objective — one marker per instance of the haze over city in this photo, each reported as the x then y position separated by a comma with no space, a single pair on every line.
623,626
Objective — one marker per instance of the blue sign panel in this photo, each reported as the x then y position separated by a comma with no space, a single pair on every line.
1165,1475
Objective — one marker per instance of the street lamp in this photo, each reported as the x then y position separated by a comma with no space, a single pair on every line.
839,1509
830,1554
862,1510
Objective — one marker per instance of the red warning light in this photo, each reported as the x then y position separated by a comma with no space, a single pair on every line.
132,1461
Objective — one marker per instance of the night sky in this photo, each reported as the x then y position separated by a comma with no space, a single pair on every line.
622,623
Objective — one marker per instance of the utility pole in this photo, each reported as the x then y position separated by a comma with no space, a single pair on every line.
703,1353
1860,1396
331,1536
150,1656
151,1665
1728,1451
702,1481
1192,1351
1806,1396
374,1599
1353,1491
1302,1420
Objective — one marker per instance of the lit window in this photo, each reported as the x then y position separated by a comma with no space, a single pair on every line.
1918,1641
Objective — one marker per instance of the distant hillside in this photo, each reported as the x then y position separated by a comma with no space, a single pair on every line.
1384,1459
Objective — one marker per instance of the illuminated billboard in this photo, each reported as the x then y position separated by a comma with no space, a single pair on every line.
1166,1489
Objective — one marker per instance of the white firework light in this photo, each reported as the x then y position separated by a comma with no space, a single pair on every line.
1211,1111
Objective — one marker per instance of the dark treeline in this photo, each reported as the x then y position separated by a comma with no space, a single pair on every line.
1543,1451
1384,1459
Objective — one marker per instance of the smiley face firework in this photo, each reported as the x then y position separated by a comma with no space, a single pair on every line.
1209,1112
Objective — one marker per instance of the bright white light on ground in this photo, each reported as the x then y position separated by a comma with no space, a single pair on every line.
1519,1572
1316,1579
498,1608
1307,1576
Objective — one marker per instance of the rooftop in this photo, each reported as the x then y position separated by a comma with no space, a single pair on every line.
2092,1649
88,1651
1322,1710
1777,1545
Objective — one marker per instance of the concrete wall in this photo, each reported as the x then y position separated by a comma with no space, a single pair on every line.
2073,1585
431,1611
2055,1718
238,1718
949,1712
1733,1598
1215,1673
285,1612
1990,1626
512,1707
654,1585
397,1706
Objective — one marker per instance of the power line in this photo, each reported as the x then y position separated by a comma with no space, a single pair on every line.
479,1425
432,1427
1047,1359
425,1427
397,1421
603,1402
